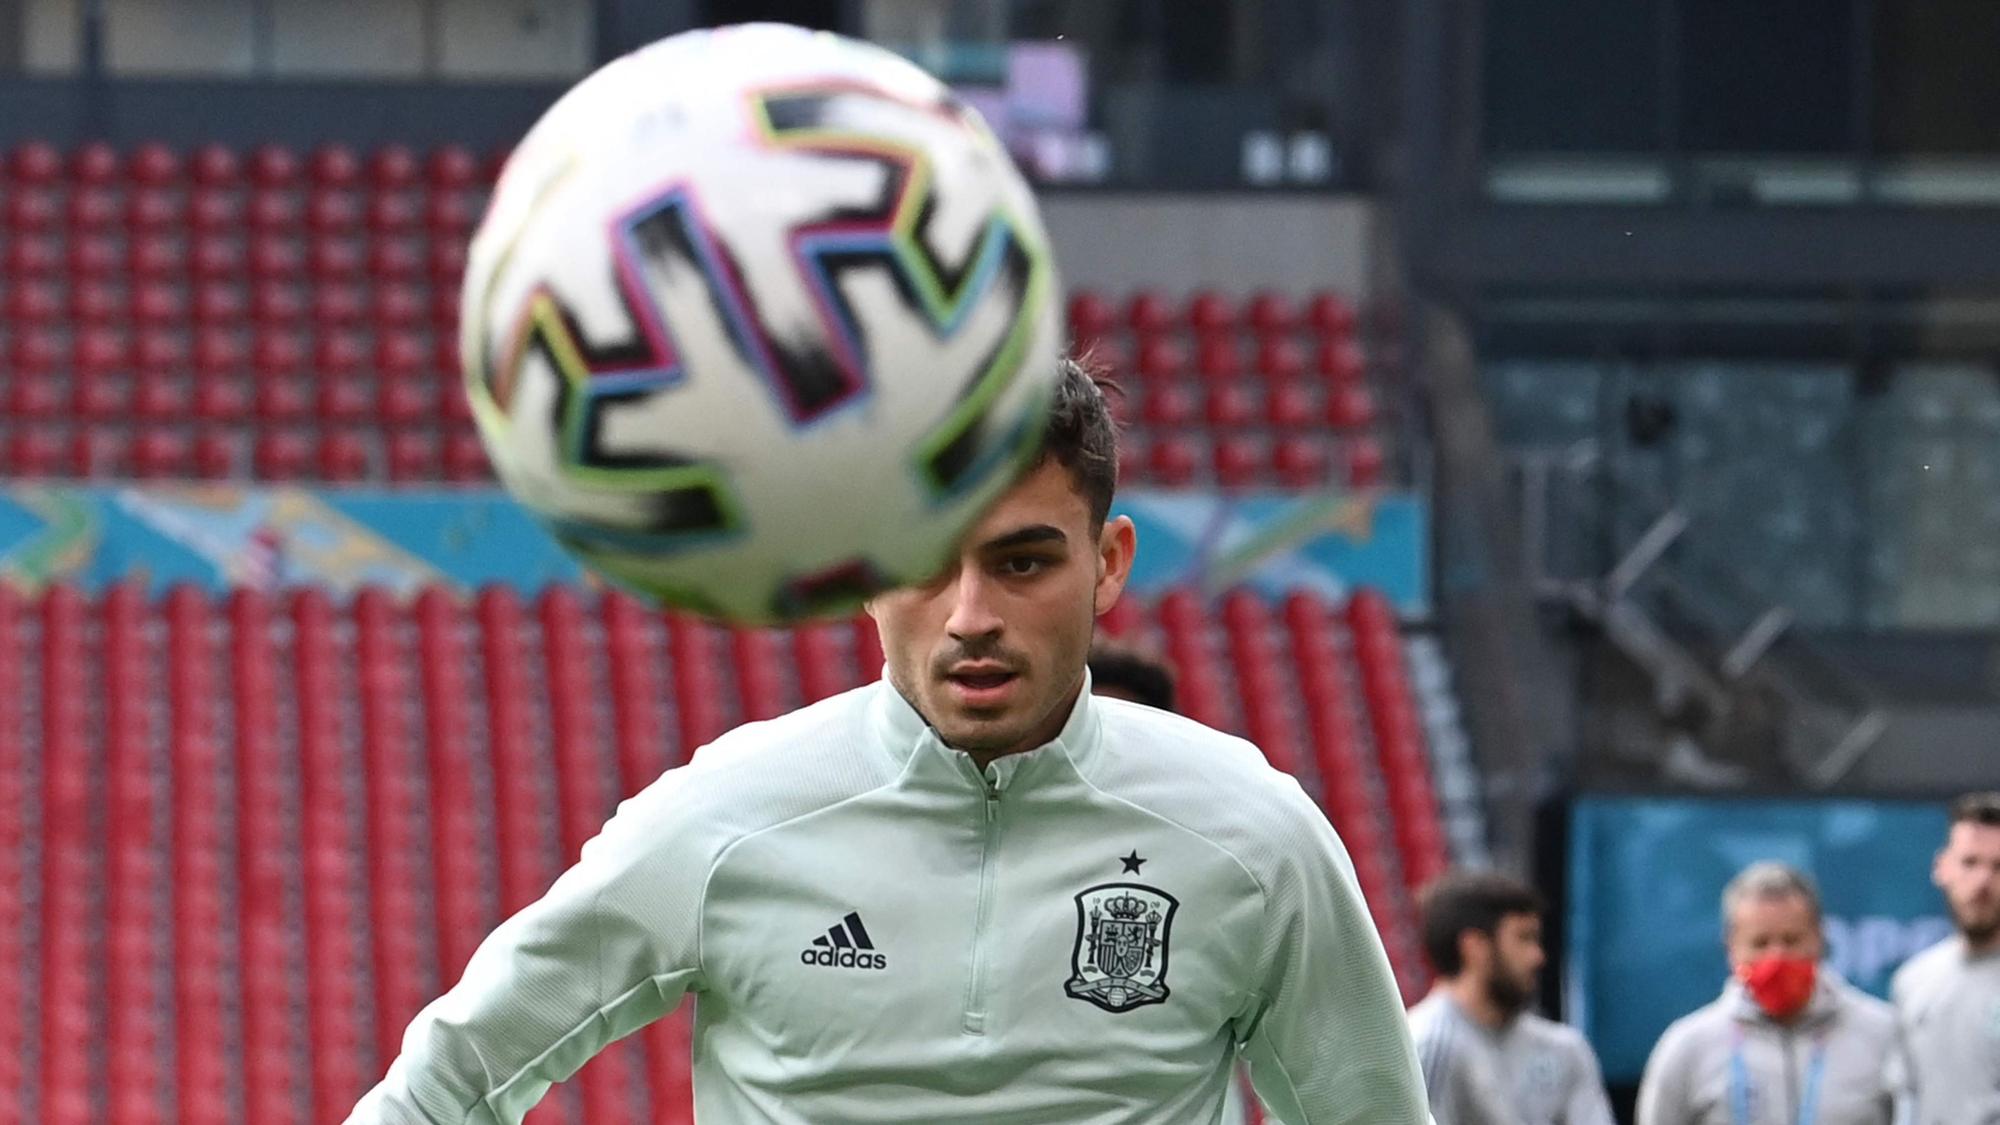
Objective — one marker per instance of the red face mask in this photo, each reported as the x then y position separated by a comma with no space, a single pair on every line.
1780,985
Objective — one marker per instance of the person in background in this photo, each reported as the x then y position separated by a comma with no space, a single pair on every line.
1485,1056
1121,671
1788,1042
1947,998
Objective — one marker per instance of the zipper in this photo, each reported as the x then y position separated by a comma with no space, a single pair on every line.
974,1022
1791,1080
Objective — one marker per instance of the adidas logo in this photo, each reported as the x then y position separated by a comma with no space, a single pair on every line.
845,945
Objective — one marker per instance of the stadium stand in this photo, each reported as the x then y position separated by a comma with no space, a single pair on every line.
287,804
293,316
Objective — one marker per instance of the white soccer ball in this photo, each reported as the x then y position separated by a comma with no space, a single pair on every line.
760,321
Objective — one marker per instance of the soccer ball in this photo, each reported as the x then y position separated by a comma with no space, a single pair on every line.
759,321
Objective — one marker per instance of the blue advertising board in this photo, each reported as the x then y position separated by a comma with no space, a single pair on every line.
1644,930
232,535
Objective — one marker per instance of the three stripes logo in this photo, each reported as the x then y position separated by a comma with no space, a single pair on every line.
845,945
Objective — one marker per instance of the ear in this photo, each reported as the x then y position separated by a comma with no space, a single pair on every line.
1475,948
1116,545
1937,868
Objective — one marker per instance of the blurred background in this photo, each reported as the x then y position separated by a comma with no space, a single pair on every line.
1566,435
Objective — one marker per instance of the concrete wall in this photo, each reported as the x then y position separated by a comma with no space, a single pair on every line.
1117,242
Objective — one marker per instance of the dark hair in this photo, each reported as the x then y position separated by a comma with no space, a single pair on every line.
1977,808
1458,901
1125,669
1083,439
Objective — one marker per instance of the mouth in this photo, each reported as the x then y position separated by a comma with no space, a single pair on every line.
981,685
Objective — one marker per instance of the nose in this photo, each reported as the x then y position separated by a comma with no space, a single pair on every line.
973,615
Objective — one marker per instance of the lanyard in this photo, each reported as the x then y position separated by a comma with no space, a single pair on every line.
1739,1083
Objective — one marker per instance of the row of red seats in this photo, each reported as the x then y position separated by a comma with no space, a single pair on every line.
1232,406
183,316
1294,461
92,264
63,363
157,165
340,455
209,213
1093,316
405,771
1273,359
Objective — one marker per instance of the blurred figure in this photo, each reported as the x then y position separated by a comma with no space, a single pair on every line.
1788,1041
1948,997
1122,671
1486,1057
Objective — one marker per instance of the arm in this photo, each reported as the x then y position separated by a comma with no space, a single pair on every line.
1587,1103
1329,1043
610,948
1663,1093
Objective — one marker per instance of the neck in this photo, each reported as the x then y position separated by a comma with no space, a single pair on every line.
1473,999
1982,946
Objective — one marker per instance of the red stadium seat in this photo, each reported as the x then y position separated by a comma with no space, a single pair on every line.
215,166
338,306
161,351
444,302
446,264
95,451
159,305
1279,360
212,211
214,456
392,215
160,454
277,355
35,164
344,398
464,458
1339,361
343,456
1159,359
217,353
1148,313
397,308
32,212
398,260
1217,357
277,304
37,352
1168,406
93,258
448,216
1300,462
399,356
1330,315
212,258
334,259
339,355
37,396
335,166
1239,460
1210,312
221,399
1172,461
331,212
1090,316
153,164
1291,406
102,352
1350,407
33,258
152,211
34,453
1229,406
276,259
281,455
393,168
159,397
406,402
412,457
1364,461
95,164
273,213
33,304
1271,313
93,211
274,166
282,399
153,258
494,164
452,168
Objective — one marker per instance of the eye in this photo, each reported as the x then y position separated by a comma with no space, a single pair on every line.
1021,566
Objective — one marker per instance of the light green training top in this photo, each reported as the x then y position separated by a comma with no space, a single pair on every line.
876,931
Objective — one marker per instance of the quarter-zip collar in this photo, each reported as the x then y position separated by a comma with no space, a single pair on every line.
904,735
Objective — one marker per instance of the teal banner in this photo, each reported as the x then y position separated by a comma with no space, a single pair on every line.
1644,925
231,535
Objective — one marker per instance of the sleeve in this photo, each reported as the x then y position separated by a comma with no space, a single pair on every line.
611,947
1664,1098
1328,1041
1587,1103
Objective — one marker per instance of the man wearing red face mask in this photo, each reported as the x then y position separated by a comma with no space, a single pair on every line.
1788,1042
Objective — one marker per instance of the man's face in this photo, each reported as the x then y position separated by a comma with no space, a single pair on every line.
991,651
1968,872
1513,961
1773,926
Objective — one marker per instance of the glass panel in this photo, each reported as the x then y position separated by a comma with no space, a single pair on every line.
179,37
49,36
515,39
1774,76
377,38
1572,75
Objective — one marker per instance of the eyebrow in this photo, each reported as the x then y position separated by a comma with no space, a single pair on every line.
1035,533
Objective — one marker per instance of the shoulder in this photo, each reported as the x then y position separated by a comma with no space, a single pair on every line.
1212,784
1865,1012
762,774
1924,965
1556,1036
1427,1018
1690,1034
